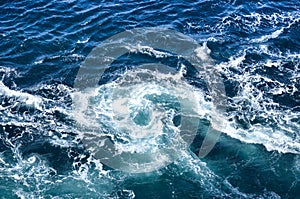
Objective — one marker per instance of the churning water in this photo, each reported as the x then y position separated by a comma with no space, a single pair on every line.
47,123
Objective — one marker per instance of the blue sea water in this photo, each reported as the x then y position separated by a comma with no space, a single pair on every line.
255,47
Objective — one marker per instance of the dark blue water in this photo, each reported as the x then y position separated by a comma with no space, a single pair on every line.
255,47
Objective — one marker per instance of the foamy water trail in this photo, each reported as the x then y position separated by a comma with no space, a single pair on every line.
140,117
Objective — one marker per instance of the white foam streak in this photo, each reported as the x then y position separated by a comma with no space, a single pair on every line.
148,50
267,122
83,41
26,98
272,140
264,38
203,52
235,62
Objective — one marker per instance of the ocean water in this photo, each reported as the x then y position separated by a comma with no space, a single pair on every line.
47,119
